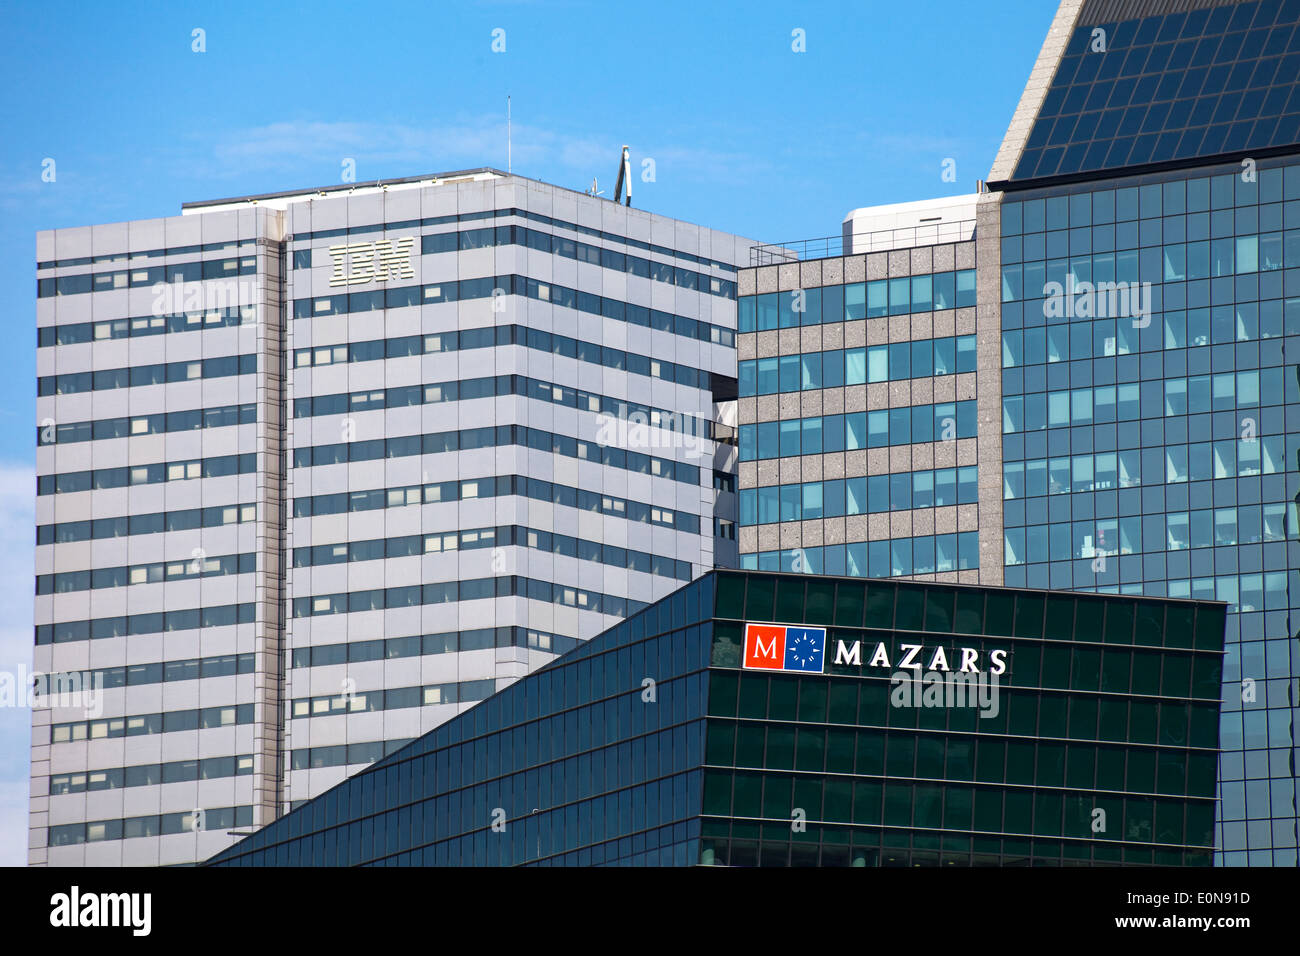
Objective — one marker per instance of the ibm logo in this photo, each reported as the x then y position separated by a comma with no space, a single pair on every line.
360,262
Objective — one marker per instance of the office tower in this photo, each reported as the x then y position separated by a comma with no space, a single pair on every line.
317,470
860,394
1151,446
1136,300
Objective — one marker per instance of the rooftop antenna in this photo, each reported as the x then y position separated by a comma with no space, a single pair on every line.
509,143
624,173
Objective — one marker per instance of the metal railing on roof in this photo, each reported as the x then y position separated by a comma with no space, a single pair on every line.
881,240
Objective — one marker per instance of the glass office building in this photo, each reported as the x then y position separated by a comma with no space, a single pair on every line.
1148,264
767,719
1152,455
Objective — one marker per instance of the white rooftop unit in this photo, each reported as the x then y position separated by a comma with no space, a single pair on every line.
906,224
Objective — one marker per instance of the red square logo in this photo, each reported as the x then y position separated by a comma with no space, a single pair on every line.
765,646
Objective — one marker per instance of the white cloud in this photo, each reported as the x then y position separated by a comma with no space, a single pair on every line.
467,144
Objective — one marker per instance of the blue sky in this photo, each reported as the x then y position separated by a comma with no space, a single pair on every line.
746,136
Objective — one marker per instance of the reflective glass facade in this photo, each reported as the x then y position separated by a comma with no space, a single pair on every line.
1152,449
661,742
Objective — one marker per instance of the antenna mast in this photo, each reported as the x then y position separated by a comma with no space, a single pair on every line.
509,143
624,175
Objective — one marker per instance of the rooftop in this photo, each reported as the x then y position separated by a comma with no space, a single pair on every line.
280,200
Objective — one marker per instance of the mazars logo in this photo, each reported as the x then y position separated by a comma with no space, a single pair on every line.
794,647
781,647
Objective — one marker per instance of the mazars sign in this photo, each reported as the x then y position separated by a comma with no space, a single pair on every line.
796,647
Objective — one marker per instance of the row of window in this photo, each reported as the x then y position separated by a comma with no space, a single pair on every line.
205,718
1231,255
139,375
151,774
228,246
495,436
146,276
982,758
157,622
162,423
1180,531
501,335
419,645
1195,395
889,848
99,478
1074,474
155,523
1174,198
345,502
870,494
393,698
1249,219
158,824
76,333
945,609
500,536
1164,575
494,214
495,288
1221,324
342,755
926,554
876,363
896,803
471,589
199,566
820,434
856,300
510,235
134,675
632,415
1136,303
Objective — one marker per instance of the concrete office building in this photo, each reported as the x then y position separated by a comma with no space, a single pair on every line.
1133,416
698,731
318,470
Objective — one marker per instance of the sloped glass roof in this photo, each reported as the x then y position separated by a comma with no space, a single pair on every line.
1180,86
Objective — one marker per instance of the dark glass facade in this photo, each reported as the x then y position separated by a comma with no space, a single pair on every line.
1170,87
671,740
